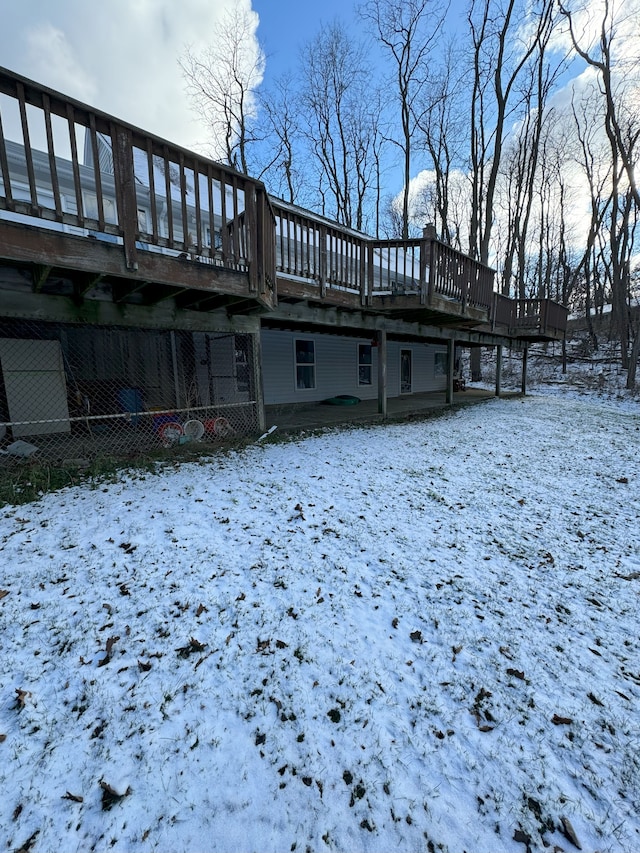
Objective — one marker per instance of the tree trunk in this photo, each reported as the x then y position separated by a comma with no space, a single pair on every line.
475,364
633,359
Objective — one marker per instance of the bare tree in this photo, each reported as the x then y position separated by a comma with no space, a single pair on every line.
601,51
522,151
621,103
281,129
341,121
597,171
442,124
504,44
221,82
509,38
408,31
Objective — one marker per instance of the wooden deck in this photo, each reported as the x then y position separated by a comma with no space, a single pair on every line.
96,208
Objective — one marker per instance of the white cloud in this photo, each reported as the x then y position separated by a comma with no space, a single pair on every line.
620,18
52,57
120,57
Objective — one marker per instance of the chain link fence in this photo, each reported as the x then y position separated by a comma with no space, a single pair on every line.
69,394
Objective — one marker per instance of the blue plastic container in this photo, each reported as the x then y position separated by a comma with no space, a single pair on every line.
130,400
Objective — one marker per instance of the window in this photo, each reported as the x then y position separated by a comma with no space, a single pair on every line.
241,358
440,366
305,364
406,371
364,364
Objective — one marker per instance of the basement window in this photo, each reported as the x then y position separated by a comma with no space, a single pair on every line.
365,376
305,364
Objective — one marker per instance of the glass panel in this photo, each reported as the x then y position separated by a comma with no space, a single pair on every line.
305,352
305,377
305,364
364,364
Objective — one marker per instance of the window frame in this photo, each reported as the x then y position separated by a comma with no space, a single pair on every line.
440,364
405,390
304,365
365,365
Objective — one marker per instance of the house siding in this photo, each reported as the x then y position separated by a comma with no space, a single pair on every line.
336,363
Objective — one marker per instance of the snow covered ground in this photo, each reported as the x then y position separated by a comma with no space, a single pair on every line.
413,637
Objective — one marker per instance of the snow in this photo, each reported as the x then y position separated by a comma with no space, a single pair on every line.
354,641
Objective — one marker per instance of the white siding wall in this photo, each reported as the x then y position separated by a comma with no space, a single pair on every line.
337,367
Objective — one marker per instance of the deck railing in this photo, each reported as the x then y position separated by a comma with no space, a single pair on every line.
399,268
92,172
80,170
503,313
459,277
318,251
538,316
336,258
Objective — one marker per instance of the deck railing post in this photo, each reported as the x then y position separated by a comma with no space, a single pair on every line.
125,192
31,175
432,271
464,287
498,369
425,248
364,278
252,248
370,253
323,260
4,172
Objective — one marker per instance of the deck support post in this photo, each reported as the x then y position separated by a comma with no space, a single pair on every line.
174,365
451,351
382,372
261,421
498,369
525,353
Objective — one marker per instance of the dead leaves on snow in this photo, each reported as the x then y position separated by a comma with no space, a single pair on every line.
561,721
569,832
21,698
76,798
192,646
481,714
110,796
516,673
111,641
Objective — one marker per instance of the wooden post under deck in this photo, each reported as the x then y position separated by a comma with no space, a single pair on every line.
451,351
498,369
525,353
261,422
382,372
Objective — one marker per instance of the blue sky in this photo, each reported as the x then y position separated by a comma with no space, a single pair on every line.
121,56
285,25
